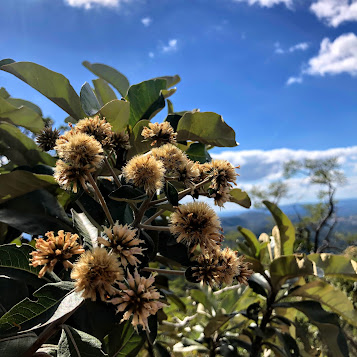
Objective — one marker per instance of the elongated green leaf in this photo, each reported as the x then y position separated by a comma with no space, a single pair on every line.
87,231
240,197
145,99
14,262
206,127
109,74
170,80
198,152
124,341
117,113
51,84
20,149
335,265
328,324
19,182
28,314
3,93
255,264
75,343
327,295
289,266
89,101
286,228
252,241
5,61
138,146
103,91
21,102
216,323
171,193
16,345
23,116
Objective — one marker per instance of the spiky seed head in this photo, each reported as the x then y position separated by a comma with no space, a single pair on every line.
46,140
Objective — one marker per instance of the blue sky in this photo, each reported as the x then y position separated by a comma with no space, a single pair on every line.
281,72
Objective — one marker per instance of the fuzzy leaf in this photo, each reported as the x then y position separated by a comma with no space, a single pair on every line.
89,101
16,345
85,228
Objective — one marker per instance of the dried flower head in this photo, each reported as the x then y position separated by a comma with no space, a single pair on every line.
145,171
69,176
188,173
120,141
221,196
139,299
244,271
159,134
99,128
223,173
230,263
97,272
46,140
124,242
171,156
196,223
79,149
55,249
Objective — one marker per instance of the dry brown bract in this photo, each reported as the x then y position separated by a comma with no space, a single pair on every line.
120,141
139,299
97,271
171,156
196,223
145,171
222,196
79,149
100,129
55,249
123,241
159,134
244,271
46,140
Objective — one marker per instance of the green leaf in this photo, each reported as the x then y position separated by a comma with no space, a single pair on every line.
255,264
138,146
14,263
338,266
21,102
109,74
289,266
51,84
128,193
240,197
35,212
6,61
328,295
124,341
75,343
19,182
117,113
166,93
174,299
257,287
3,93
32,314
23,116
89,101
286,228
171,193
198,152
12,292
207,128
201,297
85,228
215,323
328,324
170,107
103,91
20,149
16,345
145,99
252,241
170,80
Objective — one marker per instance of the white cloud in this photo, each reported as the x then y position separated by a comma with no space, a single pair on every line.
268,3
151,54
170,47
302,46
293,80
88,4
146,21
335,12
339,56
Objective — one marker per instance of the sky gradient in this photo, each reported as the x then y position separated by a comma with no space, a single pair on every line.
282,73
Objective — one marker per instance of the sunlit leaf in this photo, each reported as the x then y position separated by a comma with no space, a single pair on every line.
103,91
89,101
240,197
117,113
252,241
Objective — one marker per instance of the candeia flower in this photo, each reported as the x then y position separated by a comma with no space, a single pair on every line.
221,196
138,298
120,141
196,223
46,140
171,156
99,128
223,173
244,271
145,171
97,272
159,134
79,149
55,249
188,172
124,242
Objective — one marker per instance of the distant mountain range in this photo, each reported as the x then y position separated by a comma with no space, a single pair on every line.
260,220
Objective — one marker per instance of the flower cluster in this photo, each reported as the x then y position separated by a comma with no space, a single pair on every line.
159,134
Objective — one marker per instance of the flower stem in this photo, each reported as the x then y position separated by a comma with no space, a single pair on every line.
164,271
155,228
115,177
157,214
101,199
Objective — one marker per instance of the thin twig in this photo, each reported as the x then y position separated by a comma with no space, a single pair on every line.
164,271
115,177
157,214
155,228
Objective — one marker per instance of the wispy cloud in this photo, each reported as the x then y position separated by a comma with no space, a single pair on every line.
293,80
170,47
146,21
335,12
151,54
88,4
302,46
268,3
